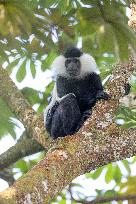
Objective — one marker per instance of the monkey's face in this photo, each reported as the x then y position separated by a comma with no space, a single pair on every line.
73,67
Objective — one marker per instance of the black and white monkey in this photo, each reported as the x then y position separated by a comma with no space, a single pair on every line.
78,86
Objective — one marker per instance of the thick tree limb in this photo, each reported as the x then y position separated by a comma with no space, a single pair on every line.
98,143
82,153
22,109
106,199
25,146
7,175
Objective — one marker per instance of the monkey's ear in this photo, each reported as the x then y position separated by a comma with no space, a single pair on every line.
58,66
88,64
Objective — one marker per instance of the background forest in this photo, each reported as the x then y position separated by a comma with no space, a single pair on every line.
32,34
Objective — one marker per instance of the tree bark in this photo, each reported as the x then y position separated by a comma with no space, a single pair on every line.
99,142
73,156
7,175
132,20
25,146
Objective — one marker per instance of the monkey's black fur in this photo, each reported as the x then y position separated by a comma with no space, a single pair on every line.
127,88
66,117
85,89
72,52
77,94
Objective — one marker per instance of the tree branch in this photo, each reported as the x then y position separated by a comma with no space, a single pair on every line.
132,1
24,147
101,199
132,19
105,199
99,142
7,175
14,98
82,153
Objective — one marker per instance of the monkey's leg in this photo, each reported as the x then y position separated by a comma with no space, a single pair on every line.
66,117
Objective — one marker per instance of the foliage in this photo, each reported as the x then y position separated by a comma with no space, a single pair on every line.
6,123
118,175
24,165
37,30
33,33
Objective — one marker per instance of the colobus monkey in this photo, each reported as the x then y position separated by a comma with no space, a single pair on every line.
78,86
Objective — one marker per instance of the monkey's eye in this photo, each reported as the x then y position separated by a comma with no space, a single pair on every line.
67,61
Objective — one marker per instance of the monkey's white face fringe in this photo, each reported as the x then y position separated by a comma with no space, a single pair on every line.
58,66
88,65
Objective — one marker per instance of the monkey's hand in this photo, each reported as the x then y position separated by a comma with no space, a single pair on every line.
67,95
102,95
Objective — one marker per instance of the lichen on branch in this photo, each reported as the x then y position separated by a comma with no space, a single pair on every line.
132,19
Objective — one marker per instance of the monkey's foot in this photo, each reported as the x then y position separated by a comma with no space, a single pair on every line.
127,88
102,95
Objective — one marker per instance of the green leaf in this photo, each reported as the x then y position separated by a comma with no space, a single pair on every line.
127,166
48,61
32,95
73,202
122,45
22,165
46,94
62,201
110,193
106,32
97,173
7,125
33,69
99,192
129,124
108,175
11,65
117,175
21,73
40,109
125,36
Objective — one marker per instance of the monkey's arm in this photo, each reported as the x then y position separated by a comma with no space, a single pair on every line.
100,93
86,114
